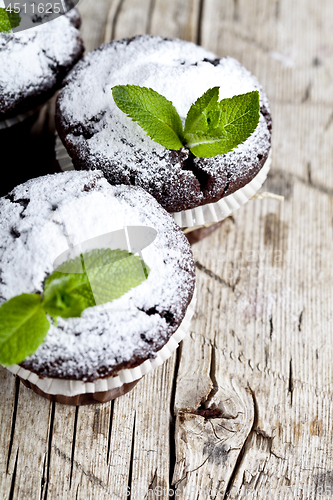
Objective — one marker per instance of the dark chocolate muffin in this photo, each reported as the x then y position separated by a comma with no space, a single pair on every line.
33,64
98,135
39,218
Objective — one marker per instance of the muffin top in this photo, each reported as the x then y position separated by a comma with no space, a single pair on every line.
39,219
98,135
34,62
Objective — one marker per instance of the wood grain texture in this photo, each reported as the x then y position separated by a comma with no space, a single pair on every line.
244,408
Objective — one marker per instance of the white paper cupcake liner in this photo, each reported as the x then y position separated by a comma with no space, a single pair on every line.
204,215
71,388
10,122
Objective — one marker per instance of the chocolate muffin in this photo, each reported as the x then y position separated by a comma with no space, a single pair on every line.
34,63
98,135
102,353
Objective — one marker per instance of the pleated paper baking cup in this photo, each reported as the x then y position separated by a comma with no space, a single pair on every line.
128,376
202,216
10,122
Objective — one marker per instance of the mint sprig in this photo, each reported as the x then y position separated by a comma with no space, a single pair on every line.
93,278
212,127
9,19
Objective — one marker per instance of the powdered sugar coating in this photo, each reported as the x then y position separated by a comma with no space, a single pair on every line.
34,62
35,219
98,135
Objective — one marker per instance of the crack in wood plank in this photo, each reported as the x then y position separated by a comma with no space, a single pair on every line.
12,484
112,19
188,472
200,22
329,122
271,326
12,432
300,321
172,441
212,375
42,481
110,432
73,445
309,173
45,485
248,444
150,15
130,473
235,14
307,93
291,381
77,492
152,485
116,17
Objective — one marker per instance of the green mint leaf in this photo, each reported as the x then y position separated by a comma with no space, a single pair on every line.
23,327
204,113
94,278
67,292
14,18
5,25
153,112
111,280
8,20
233,122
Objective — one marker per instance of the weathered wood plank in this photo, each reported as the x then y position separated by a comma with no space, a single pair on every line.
179,19
132,18
151,440
94,16
9,400
28,464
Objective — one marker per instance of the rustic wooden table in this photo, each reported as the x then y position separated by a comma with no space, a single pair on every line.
244,408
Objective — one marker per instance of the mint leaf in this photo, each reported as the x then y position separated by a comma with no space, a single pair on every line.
94,278
8,20
225,127
23,327
153,112
204,113
67,291
98,258
5,25
14,18
112,280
